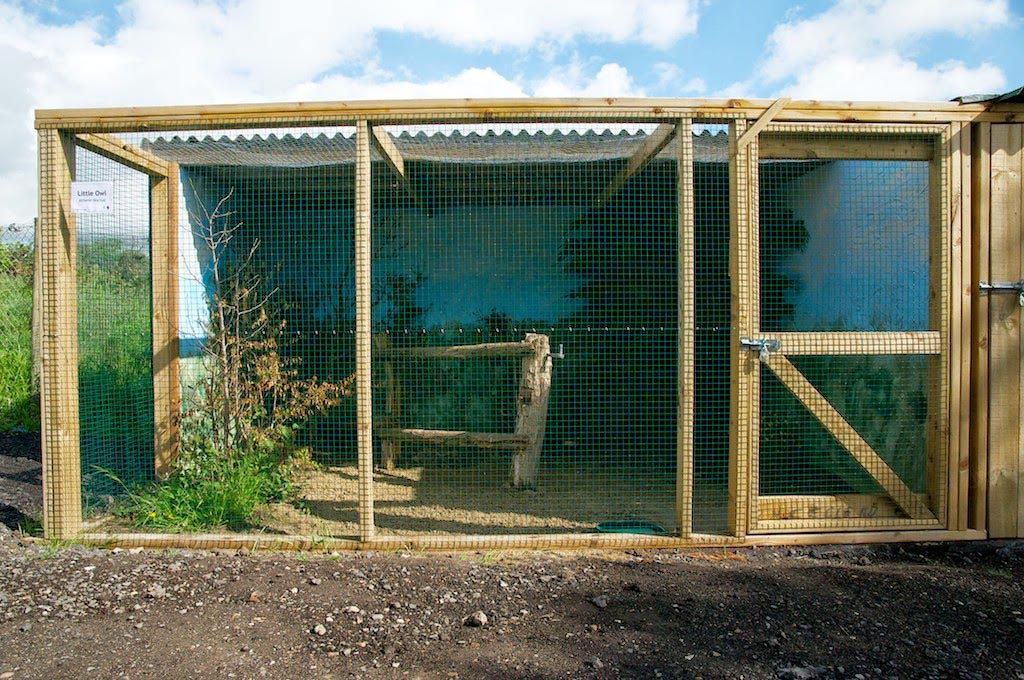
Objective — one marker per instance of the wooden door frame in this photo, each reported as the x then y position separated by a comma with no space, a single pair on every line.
941,146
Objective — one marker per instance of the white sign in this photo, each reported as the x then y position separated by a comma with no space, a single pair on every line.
92,197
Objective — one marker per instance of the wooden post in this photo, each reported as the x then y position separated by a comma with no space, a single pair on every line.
981,174
744,368
964,301
364,390
952,293
532,409
62,474
685,382
936,425
1004,447
163,201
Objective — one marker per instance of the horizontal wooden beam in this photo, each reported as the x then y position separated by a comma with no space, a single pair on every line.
851,524
124,153
773,146
858,343
584,541
648,149
482,440
840,506
848,438
161,118
481,351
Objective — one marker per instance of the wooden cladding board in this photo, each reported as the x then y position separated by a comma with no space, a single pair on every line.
1005,464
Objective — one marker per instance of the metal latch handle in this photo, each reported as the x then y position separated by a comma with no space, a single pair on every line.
1016,287
763,346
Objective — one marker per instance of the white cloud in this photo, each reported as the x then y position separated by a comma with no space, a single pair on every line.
611,80
863,49
671,79
889,77
197,51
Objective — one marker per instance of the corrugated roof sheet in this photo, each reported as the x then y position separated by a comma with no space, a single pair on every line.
490,148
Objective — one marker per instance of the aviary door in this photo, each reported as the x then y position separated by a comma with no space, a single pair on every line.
841,307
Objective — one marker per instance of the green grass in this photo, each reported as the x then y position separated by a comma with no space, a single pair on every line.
208,491
19,402
114,366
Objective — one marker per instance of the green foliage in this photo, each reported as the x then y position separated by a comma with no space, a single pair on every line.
238,447
209,490
19,401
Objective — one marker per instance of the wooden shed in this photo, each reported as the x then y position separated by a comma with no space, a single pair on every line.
566,322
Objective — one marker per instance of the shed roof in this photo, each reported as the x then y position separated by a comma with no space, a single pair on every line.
288,151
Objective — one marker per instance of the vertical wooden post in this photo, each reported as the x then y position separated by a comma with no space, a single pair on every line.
686,322
1004,447
937,425
532,409
964,300
163,203
364,393
62,475
744,368
981,170
954,228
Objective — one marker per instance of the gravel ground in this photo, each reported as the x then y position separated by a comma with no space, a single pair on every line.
917,611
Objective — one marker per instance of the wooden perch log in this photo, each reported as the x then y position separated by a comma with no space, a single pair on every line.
532,409
483,440
531,403
482,351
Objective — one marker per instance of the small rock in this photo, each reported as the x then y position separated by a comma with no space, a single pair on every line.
800,672
25,627
320,629
475,620
600,601
315,581
156,592
594,662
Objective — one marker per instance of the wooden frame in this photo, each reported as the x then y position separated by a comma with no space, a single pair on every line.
163,225
768,129
861,142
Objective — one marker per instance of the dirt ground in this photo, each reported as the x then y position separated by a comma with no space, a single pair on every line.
953,610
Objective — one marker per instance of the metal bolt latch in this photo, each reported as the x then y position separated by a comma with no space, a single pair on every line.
763,346
1017,287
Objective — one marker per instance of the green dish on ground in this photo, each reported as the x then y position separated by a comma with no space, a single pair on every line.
630,526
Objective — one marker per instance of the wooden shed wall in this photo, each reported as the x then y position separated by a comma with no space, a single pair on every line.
999,343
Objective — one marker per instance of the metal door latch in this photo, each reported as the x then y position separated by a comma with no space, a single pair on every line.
1017,287
763,346
558,355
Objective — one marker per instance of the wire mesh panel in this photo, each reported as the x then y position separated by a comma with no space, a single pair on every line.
113,279
851,264
525,317
19,381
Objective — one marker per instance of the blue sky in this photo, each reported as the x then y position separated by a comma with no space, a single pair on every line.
144,52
